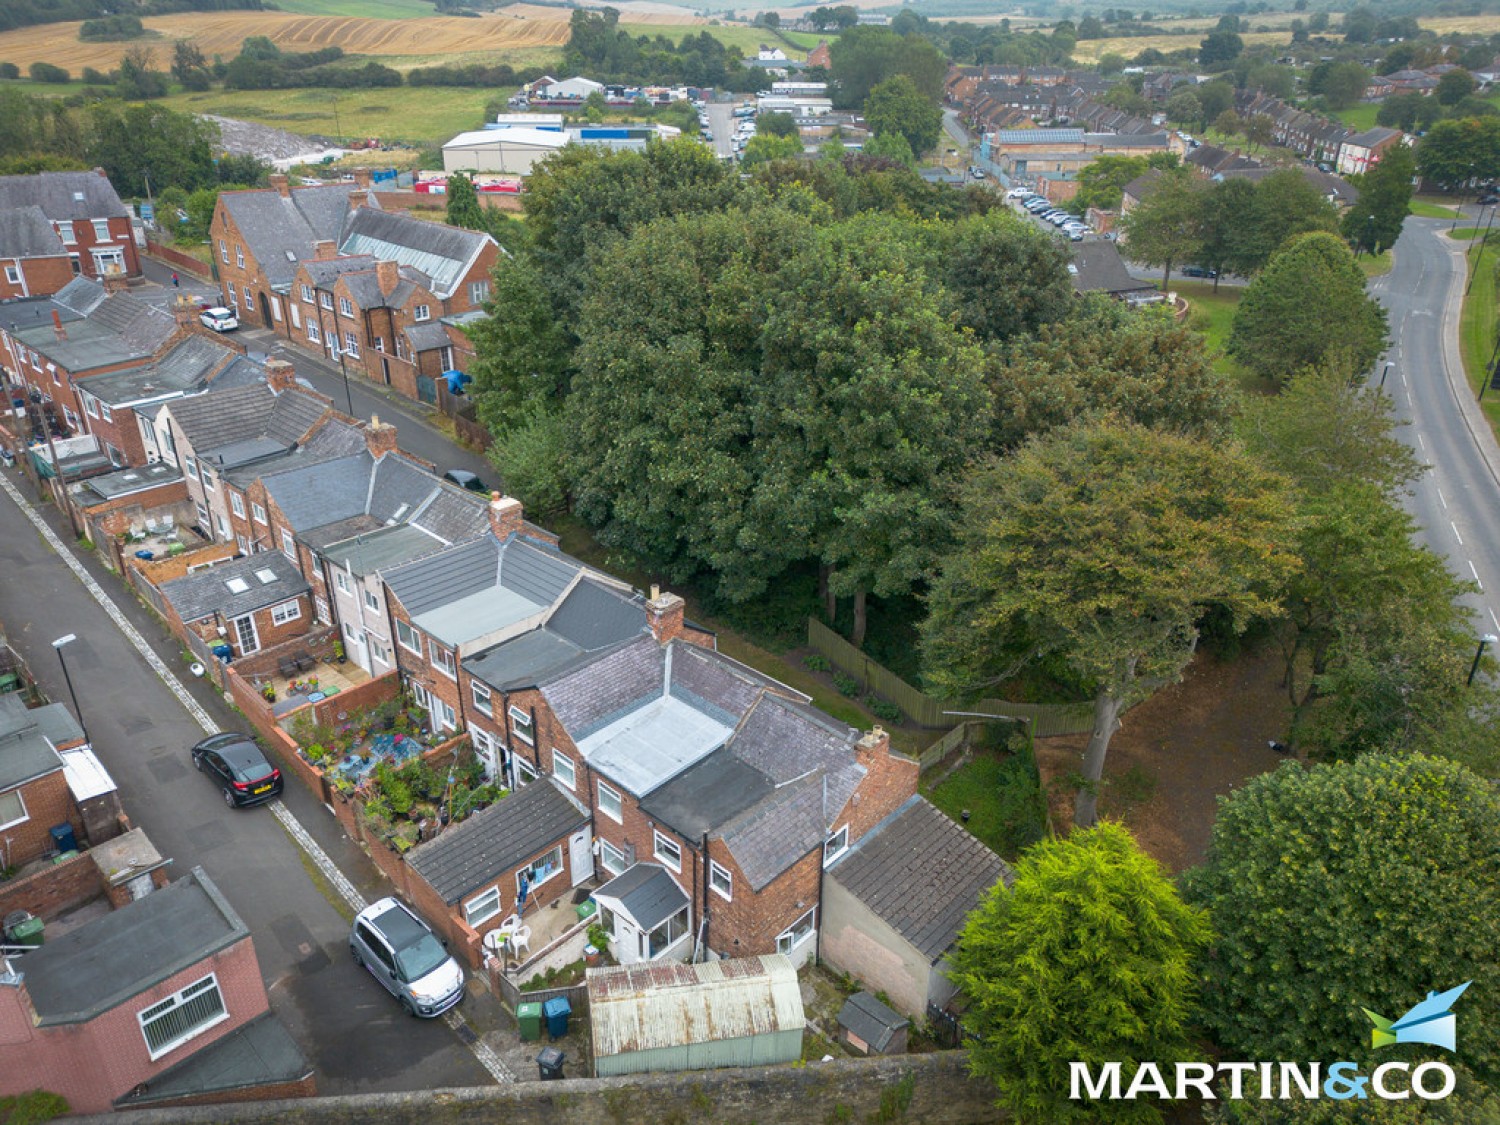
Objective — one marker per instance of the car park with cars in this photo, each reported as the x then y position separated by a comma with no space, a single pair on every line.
406,957
236,765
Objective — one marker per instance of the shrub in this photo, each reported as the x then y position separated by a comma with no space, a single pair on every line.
816,663
9,70
884,709
46,72
32,1108
846,685
92,77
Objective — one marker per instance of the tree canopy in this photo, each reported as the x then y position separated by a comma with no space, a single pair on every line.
1087,957
1166,227
1355,885
1373,222
897,106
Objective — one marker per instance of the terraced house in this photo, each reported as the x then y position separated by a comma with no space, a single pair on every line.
92,226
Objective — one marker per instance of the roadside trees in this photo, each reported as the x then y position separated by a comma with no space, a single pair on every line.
1166,228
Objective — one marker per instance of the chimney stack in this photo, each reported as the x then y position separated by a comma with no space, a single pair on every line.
280,375
57,326
664,613
357,198
380,438
363,177
325,250
183,311
875,744
387,276
281,184
506,516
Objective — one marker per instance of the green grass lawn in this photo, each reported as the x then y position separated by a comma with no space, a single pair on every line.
1359,116
1464,234
1375,265
1002,795
370,9
1476,328
1212,314
1423,209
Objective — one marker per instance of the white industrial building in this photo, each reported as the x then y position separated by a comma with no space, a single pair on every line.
512,150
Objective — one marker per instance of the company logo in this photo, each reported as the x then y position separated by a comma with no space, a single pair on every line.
1430,1021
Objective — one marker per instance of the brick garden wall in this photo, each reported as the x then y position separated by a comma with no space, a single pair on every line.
48,802
182,263
931,1089
53,890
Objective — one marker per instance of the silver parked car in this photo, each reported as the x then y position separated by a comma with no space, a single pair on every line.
405,956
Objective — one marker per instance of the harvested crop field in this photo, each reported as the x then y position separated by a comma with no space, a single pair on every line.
1090,50
221,33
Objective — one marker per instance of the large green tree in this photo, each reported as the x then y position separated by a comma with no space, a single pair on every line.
1167,227
1307,306
1456,153
897,106
1003,277
522,361
1098,547
1373,222
134,142
1088,957
1284,204
1359,885
864,57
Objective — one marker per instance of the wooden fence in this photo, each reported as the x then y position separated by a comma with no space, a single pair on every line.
1044,719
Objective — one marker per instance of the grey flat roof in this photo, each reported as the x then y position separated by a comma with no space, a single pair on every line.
125,481
260,1053
496,840
647,893
921,873
99,966
653,743
709,794
25,752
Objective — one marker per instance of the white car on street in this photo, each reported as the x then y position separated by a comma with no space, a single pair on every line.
219,319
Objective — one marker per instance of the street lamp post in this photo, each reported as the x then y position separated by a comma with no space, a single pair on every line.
1484,642
1386,371
58,645
338,350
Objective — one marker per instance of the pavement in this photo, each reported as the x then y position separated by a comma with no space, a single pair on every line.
721,123
287,868
1457,501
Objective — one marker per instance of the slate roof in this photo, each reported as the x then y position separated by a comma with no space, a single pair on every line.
1098,268
370,553
331,441
316,494
591,618
118,329
646,892
871,1020
442,252
496,840
63,196
25,752
1372,138
921,873
196,596
324,273
25,232
228,418
188,366
428,337
591,697
276,226
1141,186
101,965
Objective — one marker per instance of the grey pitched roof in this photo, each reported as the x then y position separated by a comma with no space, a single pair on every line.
778,831
99,966
605,689
311,495
118,329
647,892
139,324
188,366
1098,268
428,337
25,752
922,873
440,251
280,230
63,196
454,573
25,232
494,841
331,441
871,1020
384,547
454,514
399,487
327,271
268,578
591,618
1372,137
708,794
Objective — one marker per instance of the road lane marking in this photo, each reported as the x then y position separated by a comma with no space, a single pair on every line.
1496,620
1475,573
487,1058
1442,500
1422,443
1456,535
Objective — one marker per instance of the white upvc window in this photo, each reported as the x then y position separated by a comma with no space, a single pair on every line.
482,701
351,344
526,771
105,412
667,850
234,294
408,638
836,844
610,804
257,513
345,308
286,611
288,544
540,870
564,770
249,304
611,858
720,879
101,230
479,292
798,932
65,232
312,332
520,725
442,660
206,475
443,716
90,404
483,906
12,808
307,294
325,299
224,251
372,602
13,274
379,650
190,466
421,313
237,505
239,256
184,1015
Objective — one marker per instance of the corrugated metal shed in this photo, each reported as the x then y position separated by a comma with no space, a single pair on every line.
742,1012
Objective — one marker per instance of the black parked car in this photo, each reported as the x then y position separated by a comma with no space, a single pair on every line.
465,479
238,768
1198,271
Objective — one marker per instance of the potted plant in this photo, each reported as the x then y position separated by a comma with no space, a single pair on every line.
268,693
338,652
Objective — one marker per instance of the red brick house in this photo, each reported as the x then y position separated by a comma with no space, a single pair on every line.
249,603
33,260
86,214
34,793
145,1006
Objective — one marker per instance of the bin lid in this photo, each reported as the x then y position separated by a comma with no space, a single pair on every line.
531,1008
558,1006
550,1057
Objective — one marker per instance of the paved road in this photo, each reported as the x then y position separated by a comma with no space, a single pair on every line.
721,122
1457,502
353,1033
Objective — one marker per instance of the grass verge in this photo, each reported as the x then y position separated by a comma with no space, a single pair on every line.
1376,265
1476,328
1424,209
1359,117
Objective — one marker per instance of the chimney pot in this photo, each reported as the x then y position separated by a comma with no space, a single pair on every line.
280,375
387,276
57,326
357,198
506,516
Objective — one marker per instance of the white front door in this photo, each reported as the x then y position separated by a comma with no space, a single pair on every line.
581,856
245,631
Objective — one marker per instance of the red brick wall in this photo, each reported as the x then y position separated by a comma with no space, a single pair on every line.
182,263
93,1063
49,892
48,802
40,277
891,780
223,229
304,1088
749,924
272,634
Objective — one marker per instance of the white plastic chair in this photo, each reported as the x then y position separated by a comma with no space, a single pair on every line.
511,924
521,939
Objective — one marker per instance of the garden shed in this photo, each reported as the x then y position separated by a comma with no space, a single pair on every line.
667,1017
